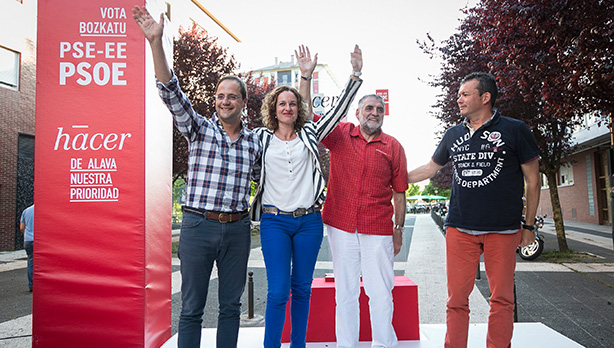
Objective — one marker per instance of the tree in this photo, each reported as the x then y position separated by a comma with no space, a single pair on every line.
414,189
431,190
256,90
553,62
443,178
199,62
178,198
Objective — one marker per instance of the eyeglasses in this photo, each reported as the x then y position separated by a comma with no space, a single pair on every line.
230,97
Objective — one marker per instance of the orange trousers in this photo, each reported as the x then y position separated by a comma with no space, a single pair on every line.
462,258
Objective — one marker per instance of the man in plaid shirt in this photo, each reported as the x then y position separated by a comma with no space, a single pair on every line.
224,156
368,170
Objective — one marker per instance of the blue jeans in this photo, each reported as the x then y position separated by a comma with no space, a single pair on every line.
203,241
29,246
290,248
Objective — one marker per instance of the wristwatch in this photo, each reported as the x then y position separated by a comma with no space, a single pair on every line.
529,227
356,73
399,227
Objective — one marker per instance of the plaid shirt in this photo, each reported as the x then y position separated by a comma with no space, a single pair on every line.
362,177
219,170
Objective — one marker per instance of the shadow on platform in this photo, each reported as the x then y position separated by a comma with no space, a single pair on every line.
431,336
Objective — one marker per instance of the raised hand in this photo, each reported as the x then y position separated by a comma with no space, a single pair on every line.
151,29
305,63
356,59
153,33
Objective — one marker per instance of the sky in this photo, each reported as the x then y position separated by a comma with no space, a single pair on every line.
386,31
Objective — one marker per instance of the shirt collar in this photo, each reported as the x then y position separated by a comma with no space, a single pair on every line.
218,123
355,132
492,119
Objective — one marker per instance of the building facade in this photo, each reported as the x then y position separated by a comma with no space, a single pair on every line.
583,182
324,85
17,109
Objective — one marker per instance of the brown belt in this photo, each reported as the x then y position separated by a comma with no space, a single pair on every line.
221,217
297,213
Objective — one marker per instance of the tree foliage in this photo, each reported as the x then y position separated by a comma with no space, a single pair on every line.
414,189
256,92
443,178
199,62
431,190
553,62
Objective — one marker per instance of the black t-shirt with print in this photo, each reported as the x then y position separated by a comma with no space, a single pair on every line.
487,183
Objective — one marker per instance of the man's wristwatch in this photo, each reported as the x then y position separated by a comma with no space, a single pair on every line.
356,73
399,227
529,227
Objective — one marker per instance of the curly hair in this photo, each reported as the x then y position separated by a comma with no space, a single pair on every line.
269,107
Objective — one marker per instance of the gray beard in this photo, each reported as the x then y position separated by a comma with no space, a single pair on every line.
370,130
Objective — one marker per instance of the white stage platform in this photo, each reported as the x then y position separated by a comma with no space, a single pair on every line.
431,336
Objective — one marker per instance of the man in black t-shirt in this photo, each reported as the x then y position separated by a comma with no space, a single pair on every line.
495,162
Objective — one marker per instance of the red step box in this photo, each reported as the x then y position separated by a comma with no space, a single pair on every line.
321,323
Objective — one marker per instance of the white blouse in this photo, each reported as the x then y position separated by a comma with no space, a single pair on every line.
288,184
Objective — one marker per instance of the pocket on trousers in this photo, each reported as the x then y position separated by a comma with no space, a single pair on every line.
247,222
191,220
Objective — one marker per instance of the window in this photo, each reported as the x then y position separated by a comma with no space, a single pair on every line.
284,78
9,68
566,175
544,181
25,145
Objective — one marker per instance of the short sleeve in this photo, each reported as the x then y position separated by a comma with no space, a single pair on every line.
399,170
527,149
442,153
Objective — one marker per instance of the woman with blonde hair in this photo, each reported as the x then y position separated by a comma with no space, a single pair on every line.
290,194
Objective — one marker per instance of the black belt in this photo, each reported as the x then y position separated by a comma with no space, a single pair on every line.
297,213
221,217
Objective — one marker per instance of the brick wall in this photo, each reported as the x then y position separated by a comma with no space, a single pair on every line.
17,108
575,199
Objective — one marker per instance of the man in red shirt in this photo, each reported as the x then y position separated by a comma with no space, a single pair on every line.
368,170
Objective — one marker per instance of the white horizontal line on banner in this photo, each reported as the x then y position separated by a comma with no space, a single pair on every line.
94,200
92,170
105,35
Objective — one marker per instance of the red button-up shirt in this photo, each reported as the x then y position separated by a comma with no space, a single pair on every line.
363,176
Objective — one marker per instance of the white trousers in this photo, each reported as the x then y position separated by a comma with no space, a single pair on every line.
374,256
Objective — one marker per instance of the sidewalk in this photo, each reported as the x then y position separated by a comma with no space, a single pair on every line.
594,235
572,299
426,266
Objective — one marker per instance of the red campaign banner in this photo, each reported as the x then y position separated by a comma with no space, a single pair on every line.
102,184
384,94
